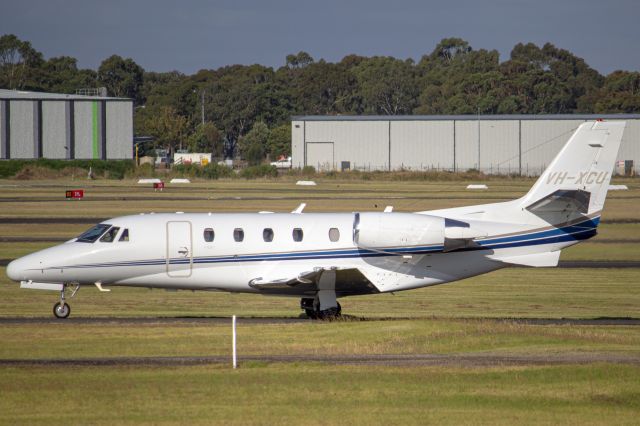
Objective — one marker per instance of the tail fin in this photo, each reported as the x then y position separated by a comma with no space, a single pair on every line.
576,182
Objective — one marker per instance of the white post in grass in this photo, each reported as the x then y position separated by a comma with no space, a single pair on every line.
233,326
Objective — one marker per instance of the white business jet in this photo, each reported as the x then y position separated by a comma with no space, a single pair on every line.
320,257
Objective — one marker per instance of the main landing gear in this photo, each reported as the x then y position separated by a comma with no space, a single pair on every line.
325,304
313,311
62,309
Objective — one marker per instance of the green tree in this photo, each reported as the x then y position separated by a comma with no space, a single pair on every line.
254,144
167,127
239,96
549,79
387,85
207,139
299,60
122,77
455,79
320,88
18,61
166,88
279,141
620,93
61,75
449,49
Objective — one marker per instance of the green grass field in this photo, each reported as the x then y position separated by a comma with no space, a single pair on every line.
482,316
322,394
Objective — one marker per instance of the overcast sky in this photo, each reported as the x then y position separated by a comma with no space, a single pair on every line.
189,35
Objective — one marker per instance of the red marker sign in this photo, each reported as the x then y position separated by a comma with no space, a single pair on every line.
75,194
158,185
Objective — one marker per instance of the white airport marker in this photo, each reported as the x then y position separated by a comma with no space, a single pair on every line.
482,186
233,326
618,187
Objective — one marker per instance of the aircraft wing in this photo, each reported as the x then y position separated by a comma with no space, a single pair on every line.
349,282
536,260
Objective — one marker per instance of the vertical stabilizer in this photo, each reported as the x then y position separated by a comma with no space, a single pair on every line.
578,177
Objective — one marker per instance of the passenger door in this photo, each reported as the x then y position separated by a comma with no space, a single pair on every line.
179,249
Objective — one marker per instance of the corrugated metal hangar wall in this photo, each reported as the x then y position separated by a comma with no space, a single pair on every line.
48,125
523,144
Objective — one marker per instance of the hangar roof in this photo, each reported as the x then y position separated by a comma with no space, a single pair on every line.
20,94
465,117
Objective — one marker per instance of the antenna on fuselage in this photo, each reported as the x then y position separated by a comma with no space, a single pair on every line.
299,209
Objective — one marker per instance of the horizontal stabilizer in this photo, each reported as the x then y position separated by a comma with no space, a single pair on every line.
561,201
538,260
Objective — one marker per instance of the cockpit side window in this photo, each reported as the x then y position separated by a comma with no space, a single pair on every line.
110,235
93,234
124,236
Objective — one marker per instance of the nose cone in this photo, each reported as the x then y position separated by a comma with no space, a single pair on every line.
15,270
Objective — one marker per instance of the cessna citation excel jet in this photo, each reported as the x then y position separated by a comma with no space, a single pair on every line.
320,257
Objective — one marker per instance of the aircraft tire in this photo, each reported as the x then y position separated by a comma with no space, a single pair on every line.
330,314
61,310
327,314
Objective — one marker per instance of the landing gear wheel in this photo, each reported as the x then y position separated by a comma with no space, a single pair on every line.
330,314
307,304
61,310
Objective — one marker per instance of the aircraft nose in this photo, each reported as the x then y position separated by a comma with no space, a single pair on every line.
15,270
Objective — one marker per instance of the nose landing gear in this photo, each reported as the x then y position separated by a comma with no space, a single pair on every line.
62,309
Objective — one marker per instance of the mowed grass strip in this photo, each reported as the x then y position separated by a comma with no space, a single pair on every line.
321,394
110,197
619,251
76,340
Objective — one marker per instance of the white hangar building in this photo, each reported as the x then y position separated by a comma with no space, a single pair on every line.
520,144
50,125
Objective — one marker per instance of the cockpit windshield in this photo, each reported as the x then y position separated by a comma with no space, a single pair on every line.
93,234
110,235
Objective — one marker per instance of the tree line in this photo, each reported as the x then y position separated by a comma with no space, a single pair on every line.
247,108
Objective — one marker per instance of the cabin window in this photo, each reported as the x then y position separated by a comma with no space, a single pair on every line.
110,235
124,236
297,234
93,234
209,235
334,234
267,235
238,234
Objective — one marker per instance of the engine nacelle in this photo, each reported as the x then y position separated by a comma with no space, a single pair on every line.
384,230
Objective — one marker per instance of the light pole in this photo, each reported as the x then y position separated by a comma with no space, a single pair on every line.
478,139
201,103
